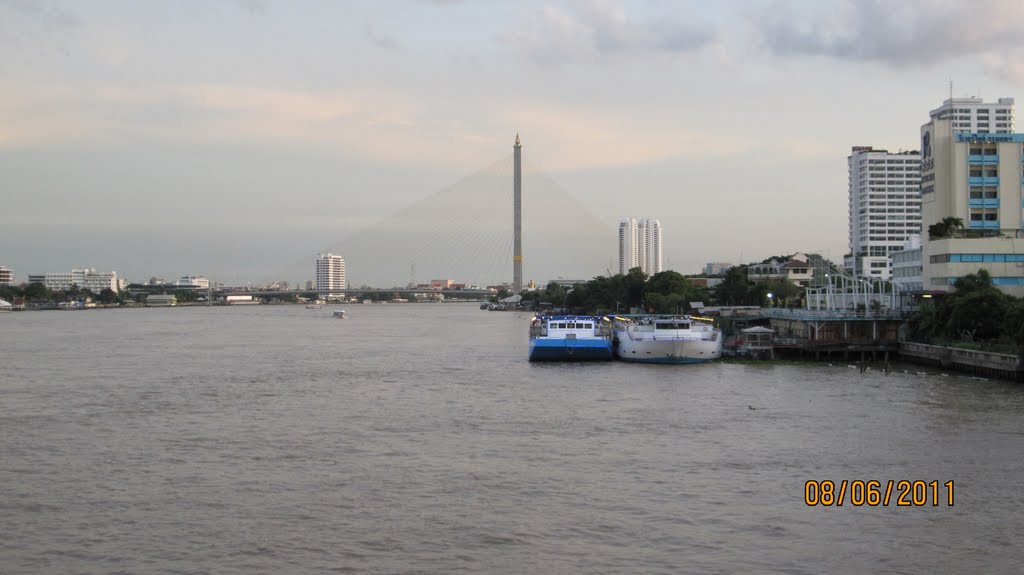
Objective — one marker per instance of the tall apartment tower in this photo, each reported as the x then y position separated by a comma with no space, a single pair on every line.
974,116
330,273
640,245
628,246
884,208
649,238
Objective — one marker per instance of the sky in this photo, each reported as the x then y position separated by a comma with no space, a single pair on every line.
237,138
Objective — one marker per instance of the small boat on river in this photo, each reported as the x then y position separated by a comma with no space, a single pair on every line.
666,339
340,314
570,338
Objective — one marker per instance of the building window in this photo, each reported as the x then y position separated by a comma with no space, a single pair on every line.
986,192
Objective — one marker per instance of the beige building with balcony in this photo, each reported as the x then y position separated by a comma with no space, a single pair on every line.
976,177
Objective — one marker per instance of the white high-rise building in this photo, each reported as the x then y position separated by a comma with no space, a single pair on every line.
974,116
628,246
6,276
650,240
640,245
330,273
884,208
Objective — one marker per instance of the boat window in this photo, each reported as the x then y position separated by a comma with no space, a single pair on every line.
667,325
561,326
588,326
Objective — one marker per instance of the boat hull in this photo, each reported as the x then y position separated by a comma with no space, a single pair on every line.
542,349
673,351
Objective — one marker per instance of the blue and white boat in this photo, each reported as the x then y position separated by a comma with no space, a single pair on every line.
666,339
570,338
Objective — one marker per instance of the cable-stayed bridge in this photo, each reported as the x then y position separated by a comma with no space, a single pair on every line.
465,232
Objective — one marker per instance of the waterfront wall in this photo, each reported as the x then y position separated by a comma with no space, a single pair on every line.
985,363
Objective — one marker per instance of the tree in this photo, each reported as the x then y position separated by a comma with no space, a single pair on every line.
108,296
973,282
667,282
927,323
185,295
783,291
634,284
11,292
734,287
979,313
671,292
1013,323
36,291
945,228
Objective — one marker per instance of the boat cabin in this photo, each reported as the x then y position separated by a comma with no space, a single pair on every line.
672,324
676,327
569,327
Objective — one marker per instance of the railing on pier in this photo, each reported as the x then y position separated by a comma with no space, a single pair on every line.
833,315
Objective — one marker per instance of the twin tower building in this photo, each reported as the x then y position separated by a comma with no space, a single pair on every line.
640,245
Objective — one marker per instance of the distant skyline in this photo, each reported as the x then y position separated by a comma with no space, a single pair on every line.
238,139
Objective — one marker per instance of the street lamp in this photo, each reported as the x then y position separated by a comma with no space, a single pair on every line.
770,302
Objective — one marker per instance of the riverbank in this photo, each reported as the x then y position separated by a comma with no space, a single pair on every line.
985,363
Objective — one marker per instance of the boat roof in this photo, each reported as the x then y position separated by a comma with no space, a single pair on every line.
658,317
570,317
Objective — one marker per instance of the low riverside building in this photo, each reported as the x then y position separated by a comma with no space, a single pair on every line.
192,282
906,266
86,278
796,269
240,300
161,300
566,283
717,268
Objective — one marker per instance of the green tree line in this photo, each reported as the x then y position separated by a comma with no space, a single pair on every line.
37,292
977,311
664,292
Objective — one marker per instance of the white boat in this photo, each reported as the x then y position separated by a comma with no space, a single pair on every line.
666,339
340,314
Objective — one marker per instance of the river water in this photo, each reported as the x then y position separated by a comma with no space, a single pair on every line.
419,439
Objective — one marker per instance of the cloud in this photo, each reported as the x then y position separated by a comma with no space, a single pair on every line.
1006,64
253,6
386,127
581,29
44,13
382,40
899,34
